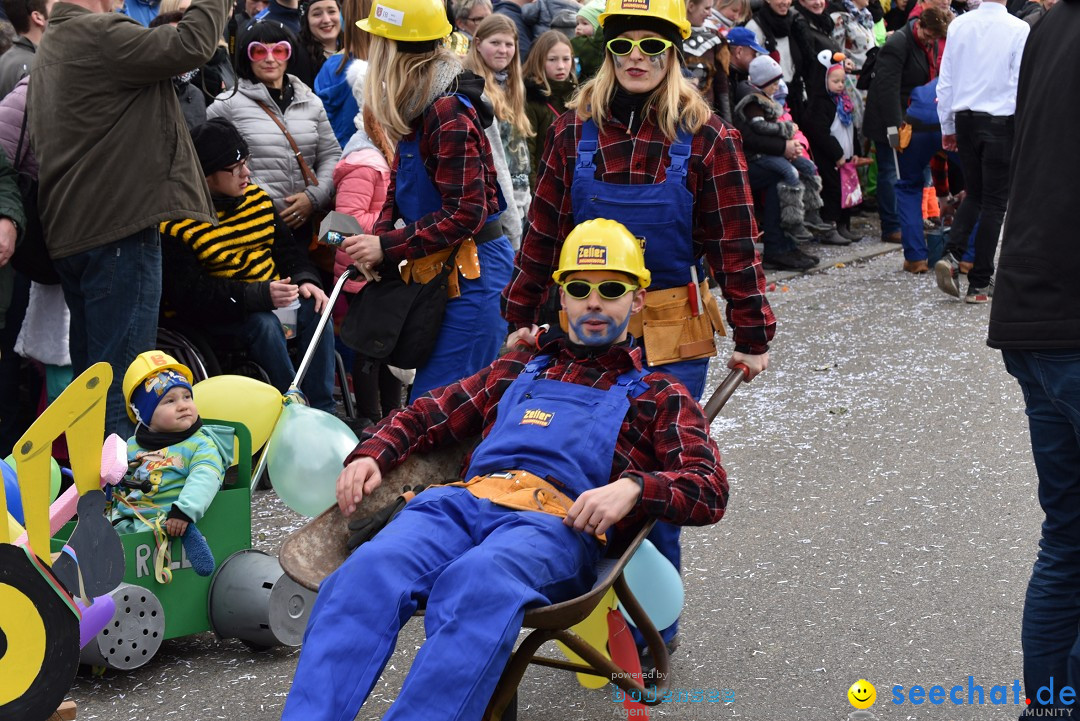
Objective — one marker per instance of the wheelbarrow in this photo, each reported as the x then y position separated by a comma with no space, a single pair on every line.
315,551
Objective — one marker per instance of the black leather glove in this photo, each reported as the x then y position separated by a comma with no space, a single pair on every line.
365,529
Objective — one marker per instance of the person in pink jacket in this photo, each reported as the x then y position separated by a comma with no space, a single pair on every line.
361,178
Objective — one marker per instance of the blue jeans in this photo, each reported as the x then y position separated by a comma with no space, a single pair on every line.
113,293
914,162
1049,634
476,565
792,170
264,340
886,188
764,179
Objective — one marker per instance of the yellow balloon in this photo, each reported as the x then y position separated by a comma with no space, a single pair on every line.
25,632
242,400
594,630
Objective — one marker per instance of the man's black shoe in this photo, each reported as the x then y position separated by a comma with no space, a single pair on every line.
790,260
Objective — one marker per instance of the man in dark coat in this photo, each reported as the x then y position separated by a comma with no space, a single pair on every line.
903,64
1035,321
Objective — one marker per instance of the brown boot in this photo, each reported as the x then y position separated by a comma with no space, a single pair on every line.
916,266
965,267
893,237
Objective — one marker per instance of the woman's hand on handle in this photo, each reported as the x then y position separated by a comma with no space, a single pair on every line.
754,364
366,250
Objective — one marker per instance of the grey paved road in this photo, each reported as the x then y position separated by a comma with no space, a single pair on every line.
882,525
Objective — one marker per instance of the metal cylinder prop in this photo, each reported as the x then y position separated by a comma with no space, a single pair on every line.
133,636
253,600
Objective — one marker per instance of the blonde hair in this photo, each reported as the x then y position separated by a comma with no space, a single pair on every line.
534,64
169,6
744,8
399,85
509,101
676,101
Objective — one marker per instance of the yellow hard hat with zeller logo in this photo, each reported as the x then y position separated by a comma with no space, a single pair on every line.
410,21
602,244
674,11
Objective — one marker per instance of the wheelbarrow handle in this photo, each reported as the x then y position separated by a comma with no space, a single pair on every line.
723,391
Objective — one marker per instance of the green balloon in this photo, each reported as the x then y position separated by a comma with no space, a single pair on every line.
54,475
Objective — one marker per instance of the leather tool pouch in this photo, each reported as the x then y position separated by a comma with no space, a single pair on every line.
423,270
670,330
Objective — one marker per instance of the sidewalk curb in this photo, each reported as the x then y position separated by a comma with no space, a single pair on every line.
864,252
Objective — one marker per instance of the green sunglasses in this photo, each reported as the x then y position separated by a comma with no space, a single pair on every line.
608,289
648,46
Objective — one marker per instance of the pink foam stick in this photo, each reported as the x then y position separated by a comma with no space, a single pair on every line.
113,467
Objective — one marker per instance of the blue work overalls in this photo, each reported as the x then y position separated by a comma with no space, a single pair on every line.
472,329
476,565
662,214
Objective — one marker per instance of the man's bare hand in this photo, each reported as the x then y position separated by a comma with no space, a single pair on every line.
754,363
598,509
360,478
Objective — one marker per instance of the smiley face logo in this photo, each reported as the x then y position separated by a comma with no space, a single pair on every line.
862,694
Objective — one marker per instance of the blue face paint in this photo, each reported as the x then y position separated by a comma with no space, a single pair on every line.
611,333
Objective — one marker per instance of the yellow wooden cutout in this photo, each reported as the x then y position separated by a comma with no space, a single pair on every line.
13,528
80,413
25,632
594,630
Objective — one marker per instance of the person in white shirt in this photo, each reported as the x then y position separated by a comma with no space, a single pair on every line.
976,102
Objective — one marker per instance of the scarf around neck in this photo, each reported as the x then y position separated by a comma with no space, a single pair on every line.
153,440
773,25
823,21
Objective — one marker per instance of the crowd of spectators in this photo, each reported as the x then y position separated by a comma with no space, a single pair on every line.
834,100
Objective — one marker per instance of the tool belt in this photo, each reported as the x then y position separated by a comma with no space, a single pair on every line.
521,491
670,330
423,270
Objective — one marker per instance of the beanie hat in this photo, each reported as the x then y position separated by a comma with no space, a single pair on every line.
218,144
616,25
146,396
591,12
764,71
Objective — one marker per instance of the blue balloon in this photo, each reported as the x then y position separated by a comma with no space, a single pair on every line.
656,585
11,489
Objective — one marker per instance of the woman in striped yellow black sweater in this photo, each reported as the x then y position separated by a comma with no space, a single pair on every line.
229,278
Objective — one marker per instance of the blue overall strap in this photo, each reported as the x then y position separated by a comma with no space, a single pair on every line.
586,149
535,366
679,152
633,381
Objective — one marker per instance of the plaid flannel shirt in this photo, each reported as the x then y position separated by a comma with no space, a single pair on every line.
664,440
458,158
724,226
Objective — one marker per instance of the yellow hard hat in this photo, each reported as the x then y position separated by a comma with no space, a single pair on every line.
145,365
410,21
673,11
602,244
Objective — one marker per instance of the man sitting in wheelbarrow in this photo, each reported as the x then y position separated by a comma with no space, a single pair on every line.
577,438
